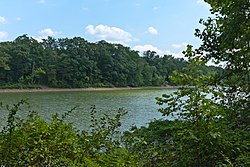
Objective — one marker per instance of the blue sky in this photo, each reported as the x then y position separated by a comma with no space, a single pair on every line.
165,26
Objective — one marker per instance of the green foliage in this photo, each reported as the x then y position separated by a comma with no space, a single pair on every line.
19,86
35,142
153,144
214,107
202,139
78,63
33,78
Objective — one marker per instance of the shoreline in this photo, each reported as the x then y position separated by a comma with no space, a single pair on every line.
83,89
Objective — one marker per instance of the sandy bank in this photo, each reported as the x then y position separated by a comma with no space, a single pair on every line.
82,89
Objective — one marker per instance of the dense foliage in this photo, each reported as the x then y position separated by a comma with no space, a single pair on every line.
35,142
27,63
78,63
215,108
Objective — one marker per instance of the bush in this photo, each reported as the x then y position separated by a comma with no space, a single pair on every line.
35,142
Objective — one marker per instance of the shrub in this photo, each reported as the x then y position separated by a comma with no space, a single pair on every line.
35,142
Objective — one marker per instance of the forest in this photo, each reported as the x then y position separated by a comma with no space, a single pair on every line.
212,112
75,63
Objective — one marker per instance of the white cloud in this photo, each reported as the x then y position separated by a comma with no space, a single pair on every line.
48,32
3,35
2,20
181,45
90,29
175,54
45,33
111,34
152,30
143,48
203,3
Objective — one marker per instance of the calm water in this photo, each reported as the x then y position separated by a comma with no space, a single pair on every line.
140,104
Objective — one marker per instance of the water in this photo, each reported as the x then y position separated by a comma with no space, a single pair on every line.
140,104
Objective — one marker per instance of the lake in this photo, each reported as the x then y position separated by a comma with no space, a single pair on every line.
140,104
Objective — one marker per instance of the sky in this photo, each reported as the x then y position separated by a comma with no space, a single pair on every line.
164,26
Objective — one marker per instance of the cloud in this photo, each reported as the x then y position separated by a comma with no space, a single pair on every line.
175,54
143,48
152,30
48,32
2,20
45,33
203,3
111,34
181,45
90,29
3,35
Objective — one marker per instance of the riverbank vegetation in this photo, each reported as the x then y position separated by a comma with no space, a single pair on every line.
77,63
212,111
35,142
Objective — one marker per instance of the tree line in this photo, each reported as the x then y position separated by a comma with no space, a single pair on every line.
78,63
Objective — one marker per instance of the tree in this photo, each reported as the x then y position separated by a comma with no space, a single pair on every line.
34,77
4,65
226,39
209,104
77,63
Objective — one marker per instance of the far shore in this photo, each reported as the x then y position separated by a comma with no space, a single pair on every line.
82,89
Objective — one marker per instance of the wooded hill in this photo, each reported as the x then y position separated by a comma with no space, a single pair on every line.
76,62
